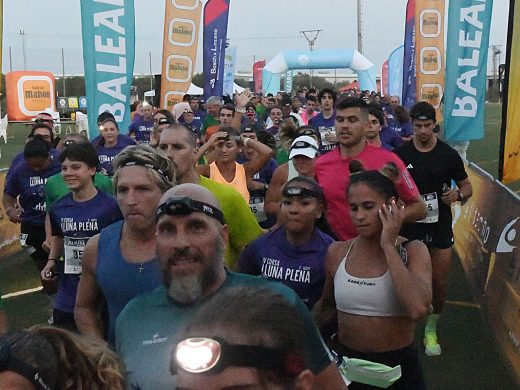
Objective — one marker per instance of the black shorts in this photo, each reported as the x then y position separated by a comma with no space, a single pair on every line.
433,235
412,377
35,238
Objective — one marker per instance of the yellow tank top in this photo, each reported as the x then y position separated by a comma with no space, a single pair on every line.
239,182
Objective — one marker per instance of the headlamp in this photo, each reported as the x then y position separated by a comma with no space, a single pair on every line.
182,205
12,363
213,355
301,191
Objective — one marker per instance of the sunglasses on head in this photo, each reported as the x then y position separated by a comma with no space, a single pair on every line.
212,355
303,145
43,120
182,205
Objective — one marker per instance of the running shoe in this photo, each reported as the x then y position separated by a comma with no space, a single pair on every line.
431,346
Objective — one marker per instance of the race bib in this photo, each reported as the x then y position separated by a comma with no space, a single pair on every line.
256,204
323,132
432,204
73,253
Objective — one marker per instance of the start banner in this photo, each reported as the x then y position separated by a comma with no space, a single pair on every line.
487,240
28,94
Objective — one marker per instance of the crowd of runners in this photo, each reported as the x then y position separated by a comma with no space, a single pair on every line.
273,242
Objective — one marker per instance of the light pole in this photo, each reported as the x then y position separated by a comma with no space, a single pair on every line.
22,33
311,39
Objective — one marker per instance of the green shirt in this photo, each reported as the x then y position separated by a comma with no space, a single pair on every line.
242,224
146,332
208,122
55,187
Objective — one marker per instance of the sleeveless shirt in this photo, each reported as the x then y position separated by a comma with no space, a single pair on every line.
239,182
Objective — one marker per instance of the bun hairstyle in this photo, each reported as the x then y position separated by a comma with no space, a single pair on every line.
382,181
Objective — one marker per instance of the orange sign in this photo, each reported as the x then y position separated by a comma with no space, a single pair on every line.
29,93
429,21
181,32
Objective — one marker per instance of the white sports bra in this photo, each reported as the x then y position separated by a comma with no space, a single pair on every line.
373,297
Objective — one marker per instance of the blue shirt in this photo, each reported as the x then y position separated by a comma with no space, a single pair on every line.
324,126
30,185
76,222
389,138
300,267
108,154
141,129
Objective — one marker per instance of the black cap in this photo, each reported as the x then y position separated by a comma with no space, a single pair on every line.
423,111
164,121
250,129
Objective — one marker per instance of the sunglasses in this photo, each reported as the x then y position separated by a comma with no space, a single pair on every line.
213,355
303,145
42,120
182,205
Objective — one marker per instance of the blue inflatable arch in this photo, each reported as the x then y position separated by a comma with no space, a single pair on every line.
321,59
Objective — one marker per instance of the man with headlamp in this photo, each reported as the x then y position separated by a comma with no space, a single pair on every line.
238,346
191,238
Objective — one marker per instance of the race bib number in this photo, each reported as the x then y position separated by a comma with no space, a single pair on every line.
256,204
432,204
73,253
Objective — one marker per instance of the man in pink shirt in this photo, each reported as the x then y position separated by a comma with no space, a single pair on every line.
333,174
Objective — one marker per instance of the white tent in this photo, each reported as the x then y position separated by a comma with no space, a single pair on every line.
194,90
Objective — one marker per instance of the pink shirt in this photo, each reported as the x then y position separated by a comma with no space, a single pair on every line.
332,172
305,117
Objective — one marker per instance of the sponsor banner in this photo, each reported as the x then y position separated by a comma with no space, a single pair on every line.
509,169
395,72
83,102
288,81
108,31
384,78
181,38
466,66
429,54
214,45
257,74
487,240
409,71
229,70
9,232
28,94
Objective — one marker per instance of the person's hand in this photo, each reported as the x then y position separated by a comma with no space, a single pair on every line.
241,99
330,136
14,214
217,137
450,196
48,272
392,217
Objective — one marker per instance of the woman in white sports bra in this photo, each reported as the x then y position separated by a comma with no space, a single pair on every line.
378,283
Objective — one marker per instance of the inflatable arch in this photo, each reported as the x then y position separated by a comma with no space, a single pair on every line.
321,59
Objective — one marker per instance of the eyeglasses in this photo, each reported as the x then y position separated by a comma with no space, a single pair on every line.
182,205
301,191
303,145
8,362
213,355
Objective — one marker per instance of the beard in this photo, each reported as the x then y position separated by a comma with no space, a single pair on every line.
187,288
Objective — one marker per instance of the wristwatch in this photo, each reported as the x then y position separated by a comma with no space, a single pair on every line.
240,110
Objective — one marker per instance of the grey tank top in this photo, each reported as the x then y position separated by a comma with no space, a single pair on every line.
372,297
